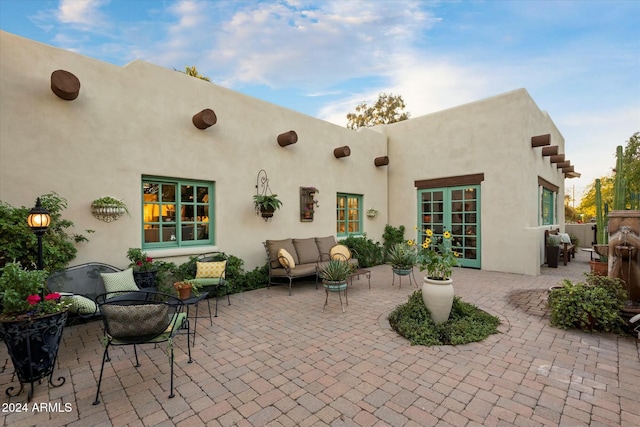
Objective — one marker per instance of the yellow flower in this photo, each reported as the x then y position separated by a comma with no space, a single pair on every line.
446,235
429,232
410,242
427,242
415,227
456,254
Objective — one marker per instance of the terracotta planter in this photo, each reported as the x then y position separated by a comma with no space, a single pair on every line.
184,290
438,298
599,268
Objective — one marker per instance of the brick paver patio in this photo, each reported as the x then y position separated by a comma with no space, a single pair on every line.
270,359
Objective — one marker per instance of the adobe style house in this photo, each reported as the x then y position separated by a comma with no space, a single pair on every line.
491,171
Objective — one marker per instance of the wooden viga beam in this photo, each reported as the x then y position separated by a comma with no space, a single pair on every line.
287,138
551,150
572,175
557,158
381,161
567,169
204,119
342,152
65,85
564,164
540,140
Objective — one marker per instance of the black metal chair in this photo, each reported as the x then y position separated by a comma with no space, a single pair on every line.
212,285
141,317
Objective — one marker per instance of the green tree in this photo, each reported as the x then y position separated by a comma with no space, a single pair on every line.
387,109
588,202
193,72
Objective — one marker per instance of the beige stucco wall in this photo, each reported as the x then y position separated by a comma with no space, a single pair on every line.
493,137
136,120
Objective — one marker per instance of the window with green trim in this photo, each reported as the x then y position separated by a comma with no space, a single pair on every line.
548,207
348,214
176,213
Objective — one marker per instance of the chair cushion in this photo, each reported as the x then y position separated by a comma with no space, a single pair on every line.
274,245
137,320
325,244
122,281
285,259
307,250
340,252
82,305
214,269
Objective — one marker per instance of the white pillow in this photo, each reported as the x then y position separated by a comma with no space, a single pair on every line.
564,238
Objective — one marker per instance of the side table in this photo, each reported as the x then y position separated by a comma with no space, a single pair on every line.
357,273
194,301
400,273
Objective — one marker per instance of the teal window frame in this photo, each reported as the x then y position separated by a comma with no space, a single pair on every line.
349,216
547,207
178,224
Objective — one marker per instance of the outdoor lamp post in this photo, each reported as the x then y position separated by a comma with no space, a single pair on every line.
39,220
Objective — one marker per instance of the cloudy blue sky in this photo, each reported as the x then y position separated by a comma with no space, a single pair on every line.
579,60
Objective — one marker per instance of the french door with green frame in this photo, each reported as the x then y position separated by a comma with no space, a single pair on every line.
457,210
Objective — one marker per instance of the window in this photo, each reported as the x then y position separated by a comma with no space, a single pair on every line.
548,207
176,213
348,214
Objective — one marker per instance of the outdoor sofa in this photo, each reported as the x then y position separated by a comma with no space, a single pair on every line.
290,259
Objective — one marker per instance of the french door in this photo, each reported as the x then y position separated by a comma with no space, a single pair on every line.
457,210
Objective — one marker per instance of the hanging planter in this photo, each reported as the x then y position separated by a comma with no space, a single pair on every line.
264,201
108,208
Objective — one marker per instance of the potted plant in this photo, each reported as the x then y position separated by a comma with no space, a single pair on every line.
186,287
31,322
438,258
334,275
334,279
266,204
553,250
403,257
372,213
144,271
108,208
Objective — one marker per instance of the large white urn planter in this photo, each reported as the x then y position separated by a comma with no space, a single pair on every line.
438,297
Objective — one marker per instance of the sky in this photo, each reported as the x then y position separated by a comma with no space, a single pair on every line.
579,60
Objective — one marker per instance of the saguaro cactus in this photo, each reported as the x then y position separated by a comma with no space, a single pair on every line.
602,237
619,194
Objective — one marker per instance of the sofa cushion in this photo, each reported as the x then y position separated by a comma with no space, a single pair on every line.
285,259
325,244
340,252
274,245
307,250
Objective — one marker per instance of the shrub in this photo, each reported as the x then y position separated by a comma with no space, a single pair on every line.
18,243
591,306
368,252
391,237
466,324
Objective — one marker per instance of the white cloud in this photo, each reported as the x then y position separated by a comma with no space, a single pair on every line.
85,14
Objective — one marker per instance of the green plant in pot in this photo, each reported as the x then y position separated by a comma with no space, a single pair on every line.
31,323
553,250
144,270
186,287
108,208
266,204
335,273
403,257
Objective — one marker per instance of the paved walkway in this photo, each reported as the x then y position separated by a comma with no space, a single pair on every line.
277,360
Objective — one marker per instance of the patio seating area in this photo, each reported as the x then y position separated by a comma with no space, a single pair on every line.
278,360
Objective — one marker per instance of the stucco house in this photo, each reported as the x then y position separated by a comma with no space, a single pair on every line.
492,171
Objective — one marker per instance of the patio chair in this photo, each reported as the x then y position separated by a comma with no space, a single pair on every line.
142,317
211,276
